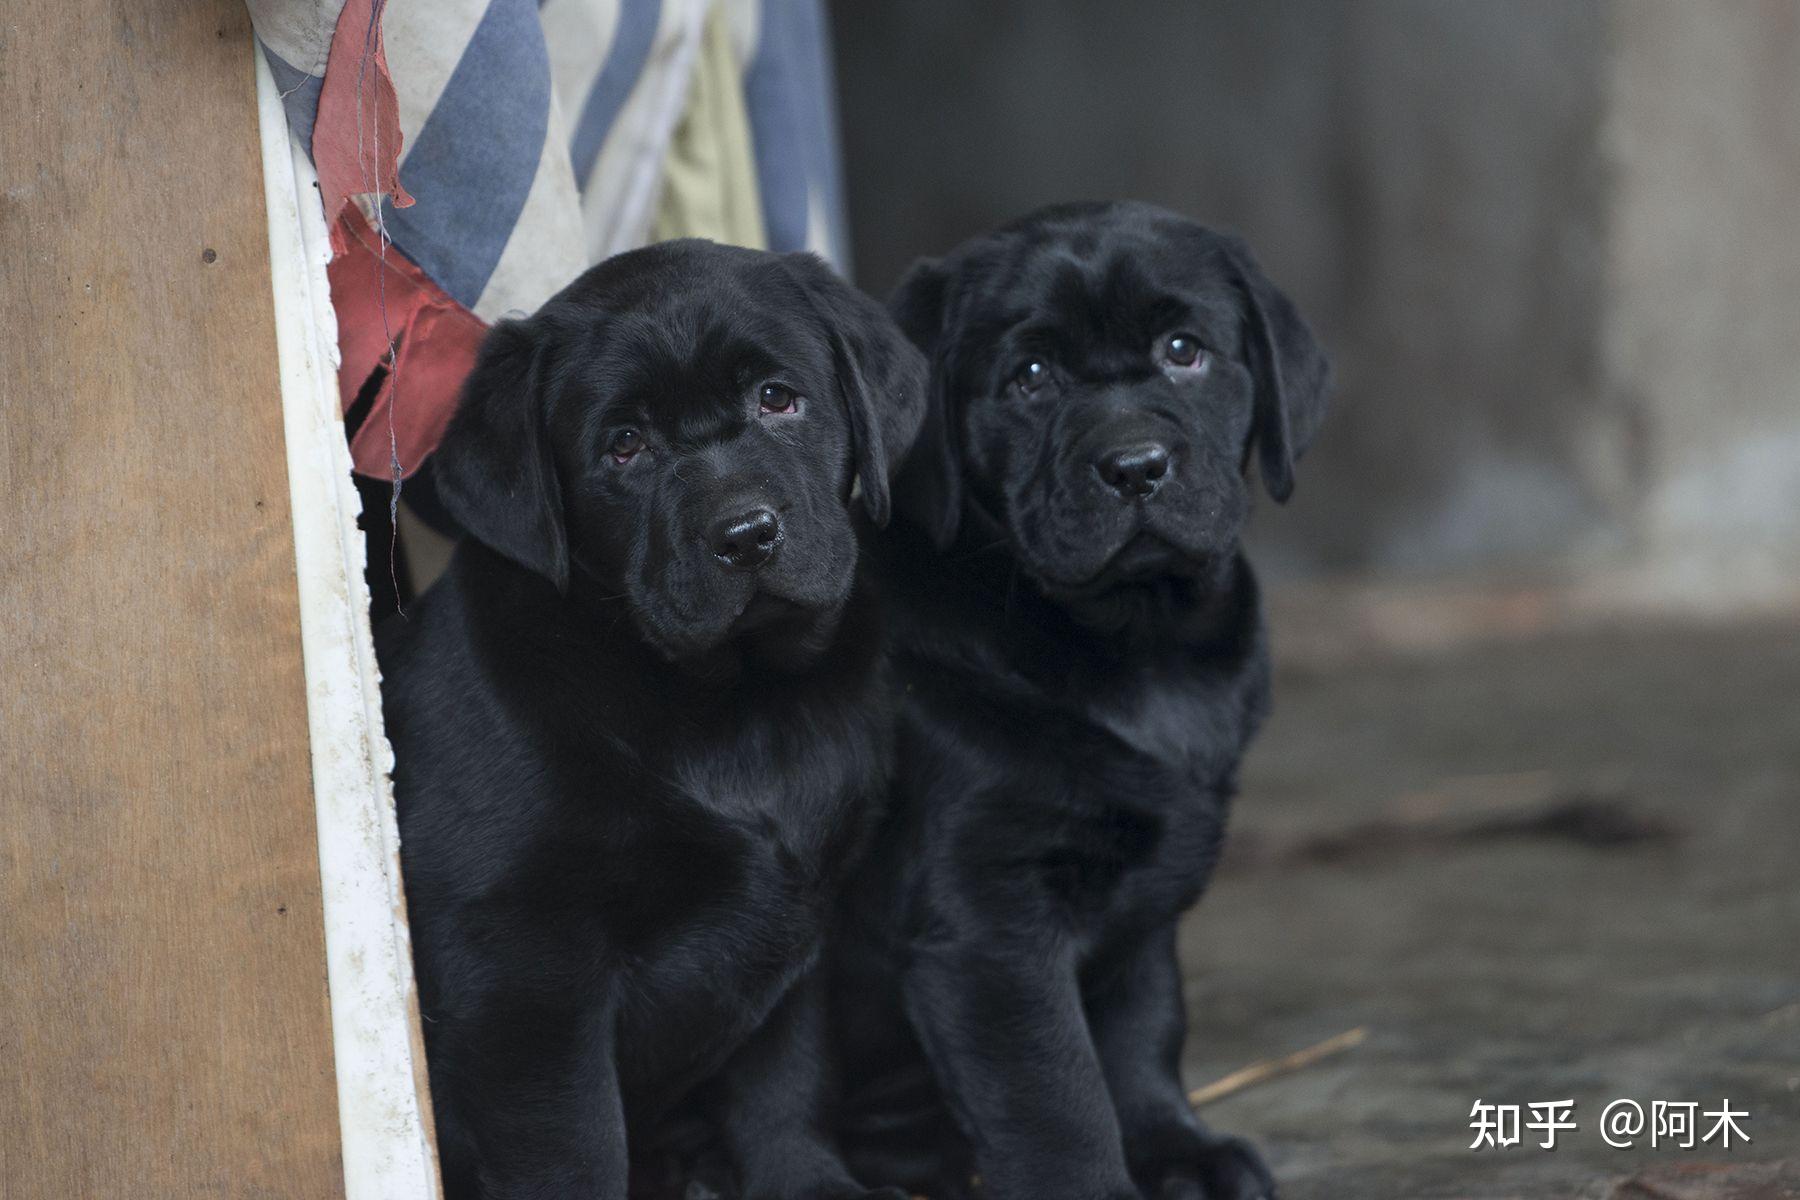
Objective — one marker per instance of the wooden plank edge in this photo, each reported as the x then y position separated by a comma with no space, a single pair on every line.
384,1105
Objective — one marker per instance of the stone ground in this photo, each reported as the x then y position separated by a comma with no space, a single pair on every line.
1559,865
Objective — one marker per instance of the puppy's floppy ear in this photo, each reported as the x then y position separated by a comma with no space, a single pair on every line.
494,471
881,377
1290,370
929,489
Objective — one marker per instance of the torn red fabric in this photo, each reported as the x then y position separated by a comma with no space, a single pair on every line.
356,134
384,303
434,341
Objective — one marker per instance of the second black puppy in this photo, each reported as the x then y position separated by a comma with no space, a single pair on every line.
641,726
1082,651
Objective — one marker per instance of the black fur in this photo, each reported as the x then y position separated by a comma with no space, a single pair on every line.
1083,663
630,779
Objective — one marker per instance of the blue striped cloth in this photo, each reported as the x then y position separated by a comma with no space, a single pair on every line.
534,135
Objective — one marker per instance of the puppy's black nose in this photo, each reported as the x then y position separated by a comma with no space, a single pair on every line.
1136,470
745,541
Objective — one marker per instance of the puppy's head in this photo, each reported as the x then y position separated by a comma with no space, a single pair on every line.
682,428
1102,376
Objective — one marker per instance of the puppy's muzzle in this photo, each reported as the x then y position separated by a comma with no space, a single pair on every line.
745,541
1134,470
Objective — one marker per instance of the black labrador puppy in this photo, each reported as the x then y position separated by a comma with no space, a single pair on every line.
1081,648
642,725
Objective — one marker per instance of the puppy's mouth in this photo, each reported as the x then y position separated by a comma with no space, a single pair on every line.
690,609
1145,557
766,611
784,634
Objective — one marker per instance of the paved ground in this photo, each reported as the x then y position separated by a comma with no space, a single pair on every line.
1559,866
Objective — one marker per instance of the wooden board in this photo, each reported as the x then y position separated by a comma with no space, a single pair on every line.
164,1029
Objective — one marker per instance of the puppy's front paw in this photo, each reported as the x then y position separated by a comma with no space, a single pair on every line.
851,1191
829,1190
1219,1168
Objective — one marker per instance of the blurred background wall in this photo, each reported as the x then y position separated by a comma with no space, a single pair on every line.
1553,246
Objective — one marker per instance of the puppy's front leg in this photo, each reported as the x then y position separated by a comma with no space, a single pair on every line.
1002,1023
528,1105
1139,1024
772,1107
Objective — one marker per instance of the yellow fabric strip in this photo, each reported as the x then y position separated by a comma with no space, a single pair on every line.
709,179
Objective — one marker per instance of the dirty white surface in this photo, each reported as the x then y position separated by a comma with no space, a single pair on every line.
383,1105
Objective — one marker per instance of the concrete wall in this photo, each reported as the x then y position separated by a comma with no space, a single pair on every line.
1702,337
1506,221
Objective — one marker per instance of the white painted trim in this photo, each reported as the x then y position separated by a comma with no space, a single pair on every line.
384,1109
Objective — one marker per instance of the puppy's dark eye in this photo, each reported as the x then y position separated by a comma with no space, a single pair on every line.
775,398
1033,375
1183,350
626,443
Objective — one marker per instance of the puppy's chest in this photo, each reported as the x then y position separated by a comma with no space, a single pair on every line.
793,799
1189,728
1149,801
